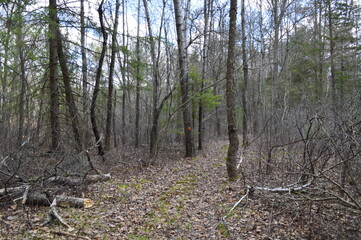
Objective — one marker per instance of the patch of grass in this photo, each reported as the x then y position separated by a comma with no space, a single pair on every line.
163,212
196,158
223,230
137,186
144,180
187,226
123,186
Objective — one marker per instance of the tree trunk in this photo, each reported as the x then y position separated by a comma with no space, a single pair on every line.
84,67
204,71
332,62
108,125
73,111
20,43
245,78
137,97
184,81
53,81
232,152
123,125
97,82
155,80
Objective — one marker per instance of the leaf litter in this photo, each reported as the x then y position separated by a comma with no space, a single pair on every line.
182,198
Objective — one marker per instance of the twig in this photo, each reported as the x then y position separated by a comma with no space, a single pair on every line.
91,163
53,214
284,189
25,196
355,203
237,203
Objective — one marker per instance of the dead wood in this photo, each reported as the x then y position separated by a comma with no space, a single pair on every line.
41,197
77,181
54,215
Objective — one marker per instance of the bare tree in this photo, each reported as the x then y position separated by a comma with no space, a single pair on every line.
110,81
245,77
206,9
84,66
54,91
137,97
20,43
184,80
232,152
97,81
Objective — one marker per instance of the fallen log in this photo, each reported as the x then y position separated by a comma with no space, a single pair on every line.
77,181
71,181
41,199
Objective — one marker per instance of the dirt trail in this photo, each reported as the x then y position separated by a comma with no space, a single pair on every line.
184,199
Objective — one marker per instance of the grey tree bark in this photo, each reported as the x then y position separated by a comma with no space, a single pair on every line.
20,44
53,81
97,82
232,152
245,77
184,80
109,118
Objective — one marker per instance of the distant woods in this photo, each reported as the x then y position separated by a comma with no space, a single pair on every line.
76,75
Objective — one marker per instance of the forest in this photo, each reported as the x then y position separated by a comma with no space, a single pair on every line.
180,119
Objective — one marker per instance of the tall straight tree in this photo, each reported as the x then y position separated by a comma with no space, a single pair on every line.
278,10
84,67
20,44
184,79
53,81
110,81
204,72
332,58
137,96
155,80
123,67
157,105
245,77
232,152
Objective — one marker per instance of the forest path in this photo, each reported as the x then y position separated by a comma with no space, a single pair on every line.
183,199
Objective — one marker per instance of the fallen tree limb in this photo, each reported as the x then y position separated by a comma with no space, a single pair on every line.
71,181
283,189
12,190
280,189
24,197
351,204
38,198
77,181
236,204
54,215
41,199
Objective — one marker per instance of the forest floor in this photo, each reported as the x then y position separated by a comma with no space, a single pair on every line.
182,199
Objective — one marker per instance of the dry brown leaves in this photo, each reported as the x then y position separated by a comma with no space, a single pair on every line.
183,199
